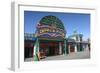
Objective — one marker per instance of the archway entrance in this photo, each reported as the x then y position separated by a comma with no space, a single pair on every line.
49,48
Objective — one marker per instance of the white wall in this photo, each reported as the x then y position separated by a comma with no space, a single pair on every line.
5,36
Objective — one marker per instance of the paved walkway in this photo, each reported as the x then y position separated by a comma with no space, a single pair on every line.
78,55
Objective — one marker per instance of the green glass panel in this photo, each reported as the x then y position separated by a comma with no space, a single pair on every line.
47,20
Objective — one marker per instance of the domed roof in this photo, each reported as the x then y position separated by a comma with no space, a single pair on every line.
52,20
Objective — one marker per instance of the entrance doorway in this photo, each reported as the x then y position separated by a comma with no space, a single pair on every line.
51,51
28,52
72,49
50,48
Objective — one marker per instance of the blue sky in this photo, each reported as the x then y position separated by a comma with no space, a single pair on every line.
72,21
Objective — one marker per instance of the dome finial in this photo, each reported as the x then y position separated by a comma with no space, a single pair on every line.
75,31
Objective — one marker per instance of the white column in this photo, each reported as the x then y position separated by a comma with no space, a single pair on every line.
69,48
87,48
75,48
60,48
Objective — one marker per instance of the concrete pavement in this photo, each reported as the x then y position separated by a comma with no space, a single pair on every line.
78,55
73,55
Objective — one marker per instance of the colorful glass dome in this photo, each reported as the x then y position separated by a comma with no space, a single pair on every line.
52,20
50,27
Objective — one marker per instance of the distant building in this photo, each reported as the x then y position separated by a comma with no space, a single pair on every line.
76,43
